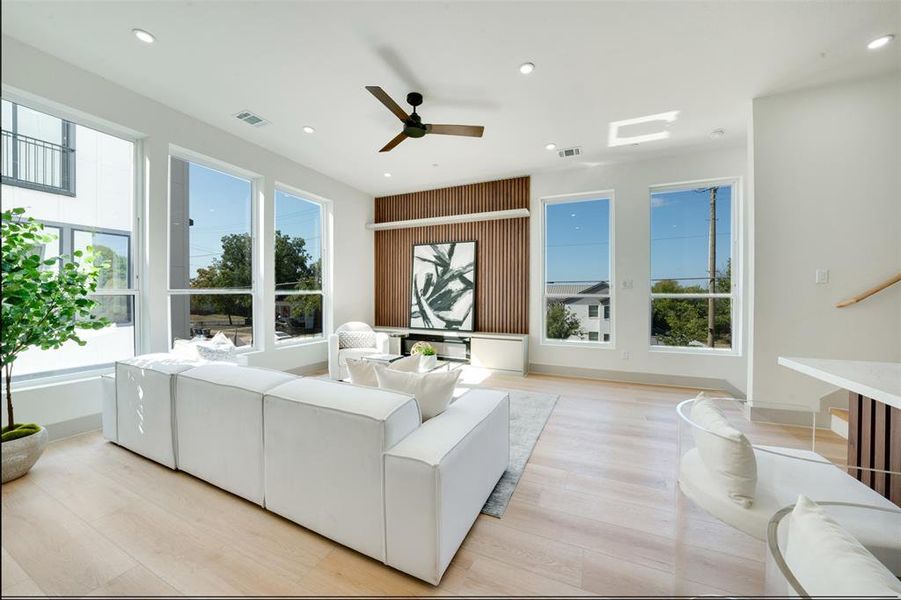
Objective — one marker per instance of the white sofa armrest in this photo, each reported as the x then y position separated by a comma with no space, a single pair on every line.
381,342
438,478
334,368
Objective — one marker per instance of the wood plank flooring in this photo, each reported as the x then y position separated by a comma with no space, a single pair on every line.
597,512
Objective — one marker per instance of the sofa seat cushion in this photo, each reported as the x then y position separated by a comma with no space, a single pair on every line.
323,444
219,420
780,480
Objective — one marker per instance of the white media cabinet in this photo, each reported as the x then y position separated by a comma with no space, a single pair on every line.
497,351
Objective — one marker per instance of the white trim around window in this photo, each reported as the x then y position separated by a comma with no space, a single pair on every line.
737,262
546,201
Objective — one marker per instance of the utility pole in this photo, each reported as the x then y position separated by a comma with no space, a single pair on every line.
711,268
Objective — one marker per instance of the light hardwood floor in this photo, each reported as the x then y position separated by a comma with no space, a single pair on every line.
597,511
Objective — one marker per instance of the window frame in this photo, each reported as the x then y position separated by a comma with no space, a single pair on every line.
67,147
137,291
325,215
256,187
610,196
735,246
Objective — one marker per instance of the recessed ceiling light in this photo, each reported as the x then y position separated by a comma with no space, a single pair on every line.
387,174
308,129
614,139
880,42
144,36
550,146
717,133
526,68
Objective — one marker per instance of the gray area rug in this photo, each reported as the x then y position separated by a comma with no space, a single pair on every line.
528,414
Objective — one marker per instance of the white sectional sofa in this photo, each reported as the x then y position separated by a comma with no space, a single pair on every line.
352,463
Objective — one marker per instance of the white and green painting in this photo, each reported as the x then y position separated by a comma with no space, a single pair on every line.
444,282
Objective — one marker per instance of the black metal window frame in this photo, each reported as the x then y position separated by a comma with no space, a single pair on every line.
66,151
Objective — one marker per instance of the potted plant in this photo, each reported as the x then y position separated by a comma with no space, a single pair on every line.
45,304
428,358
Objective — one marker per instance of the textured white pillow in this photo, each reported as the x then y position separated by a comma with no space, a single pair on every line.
362,372
433,391
356,339
731,461
828,561
407,364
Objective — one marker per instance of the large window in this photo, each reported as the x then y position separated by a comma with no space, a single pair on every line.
40,168
298,267
577,259
38,150
692,274
210,253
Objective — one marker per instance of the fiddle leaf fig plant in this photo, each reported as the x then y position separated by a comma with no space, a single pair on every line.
45,302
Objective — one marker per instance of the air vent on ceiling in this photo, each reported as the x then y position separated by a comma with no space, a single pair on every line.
251,119
569,152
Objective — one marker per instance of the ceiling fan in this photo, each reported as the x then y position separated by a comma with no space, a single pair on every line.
413,125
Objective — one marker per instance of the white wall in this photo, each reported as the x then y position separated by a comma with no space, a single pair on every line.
630,309
79,95
827,196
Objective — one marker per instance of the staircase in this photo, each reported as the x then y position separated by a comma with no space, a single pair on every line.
839,421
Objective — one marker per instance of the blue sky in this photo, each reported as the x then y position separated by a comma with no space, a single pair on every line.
220,205
578,236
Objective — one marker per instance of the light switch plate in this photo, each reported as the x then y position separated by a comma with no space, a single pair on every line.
627,284
822,276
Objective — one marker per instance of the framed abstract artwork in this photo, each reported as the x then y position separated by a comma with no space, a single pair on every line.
443,286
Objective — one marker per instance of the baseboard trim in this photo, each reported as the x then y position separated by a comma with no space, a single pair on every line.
309,369
72,427
679,381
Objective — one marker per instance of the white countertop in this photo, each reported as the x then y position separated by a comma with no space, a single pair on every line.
877,380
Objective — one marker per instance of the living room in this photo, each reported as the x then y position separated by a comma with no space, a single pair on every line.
454,298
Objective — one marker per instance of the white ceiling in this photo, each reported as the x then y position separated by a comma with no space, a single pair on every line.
300,63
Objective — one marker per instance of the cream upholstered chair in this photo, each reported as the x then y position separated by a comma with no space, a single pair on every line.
353,340
708,459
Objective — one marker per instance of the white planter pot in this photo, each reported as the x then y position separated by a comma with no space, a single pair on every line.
19,455
427,363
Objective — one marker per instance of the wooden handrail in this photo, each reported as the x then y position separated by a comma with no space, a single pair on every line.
873,290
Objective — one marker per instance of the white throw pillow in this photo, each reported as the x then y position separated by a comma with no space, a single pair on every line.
730,461
828,561
433,391
407,364
356,339
362,372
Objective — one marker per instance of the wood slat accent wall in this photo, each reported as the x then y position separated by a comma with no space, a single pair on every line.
502,251
874,441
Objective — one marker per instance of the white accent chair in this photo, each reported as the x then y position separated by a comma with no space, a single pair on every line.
337,356
782,475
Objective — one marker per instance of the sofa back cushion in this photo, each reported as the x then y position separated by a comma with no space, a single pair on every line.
433,391
726,452
323,447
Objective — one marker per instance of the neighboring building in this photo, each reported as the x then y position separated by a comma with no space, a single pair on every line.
593,313
79,183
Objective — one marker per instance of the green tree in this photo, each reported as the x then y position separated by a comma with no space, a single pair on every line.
562,322
41,307
679,322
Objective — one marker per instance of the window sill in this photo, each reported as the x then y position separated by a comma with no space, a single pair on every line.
52,380
282,344
578,344
694,351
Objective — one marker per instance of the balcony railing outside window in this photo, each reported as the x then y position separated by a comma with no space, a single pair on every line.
38,164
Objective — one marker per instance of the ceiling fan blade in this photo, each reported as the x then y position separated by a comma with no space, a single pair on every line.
467,130
398,139
390,104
